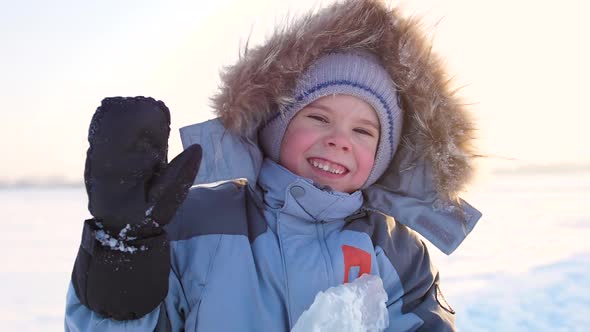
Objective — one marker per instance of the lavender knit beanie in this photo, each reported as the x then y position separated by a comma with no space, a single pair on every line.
357,74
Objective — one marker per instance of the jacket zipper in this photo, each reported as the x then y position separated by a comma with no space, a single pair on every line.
286,278
320,226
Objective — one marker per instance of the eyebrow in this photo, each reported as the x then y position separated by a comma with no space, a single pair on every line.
315,104
362,120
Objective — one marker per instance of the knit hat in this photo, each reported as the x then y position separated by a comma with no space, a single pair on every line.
357,74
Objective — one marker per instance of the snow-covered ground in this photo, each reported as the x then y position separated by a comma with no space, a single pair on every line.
525,267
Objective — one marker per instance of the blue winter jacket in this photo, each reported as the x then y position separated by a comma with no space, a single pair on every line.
252,258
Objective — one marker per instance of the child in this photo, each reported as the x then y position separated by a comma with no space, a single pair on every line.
337,140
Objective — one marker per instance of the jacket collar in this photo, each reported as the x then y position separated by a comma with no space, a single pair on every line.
409,198
300,197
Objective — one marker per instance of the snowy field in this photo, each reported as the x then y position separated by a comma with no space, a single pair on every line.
525,267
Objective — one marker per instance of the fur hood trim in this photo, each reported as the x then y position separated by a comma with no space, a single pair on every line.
437,127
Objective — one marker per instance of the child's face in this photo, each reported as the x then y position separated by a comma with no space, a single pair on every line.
339,133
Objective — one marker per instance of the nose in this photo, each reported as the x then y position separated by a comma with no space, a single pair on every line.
338,140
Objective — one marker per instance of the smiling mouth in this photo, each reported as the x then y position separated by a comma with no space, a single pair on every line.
327,166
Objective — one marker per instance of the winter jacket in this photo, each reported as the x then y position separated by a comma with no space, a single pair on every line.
251,254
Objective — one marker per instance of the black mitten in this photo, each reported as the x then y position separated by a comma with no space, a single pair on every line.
123,264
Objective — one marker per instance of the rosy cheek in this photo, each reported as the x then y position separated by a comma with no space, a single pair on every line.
366,162
293,149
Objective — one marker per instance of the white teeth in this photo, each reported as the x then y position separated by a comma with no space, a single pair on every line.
326,167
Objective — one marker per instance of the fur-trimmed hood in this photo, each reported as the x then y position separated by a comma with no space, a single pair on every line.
434,160
263,81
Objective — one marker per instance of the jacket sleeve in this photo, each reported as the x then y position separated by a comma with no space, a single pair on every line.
415,302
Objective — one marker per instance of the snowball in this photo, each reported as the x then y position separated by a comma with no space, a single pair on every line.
353,307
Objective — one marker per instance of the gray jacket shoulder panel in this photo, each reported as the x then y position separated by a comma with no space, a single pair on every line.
225,208
405,251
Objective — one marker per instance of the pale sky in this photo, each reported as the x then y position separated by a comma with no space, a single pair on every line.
525,65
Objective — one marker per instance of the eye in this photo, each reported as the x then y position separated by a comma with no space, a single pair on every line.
363,132
318,118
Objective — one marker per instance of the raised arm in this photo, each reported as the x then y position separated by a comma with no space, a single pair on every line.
123,264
